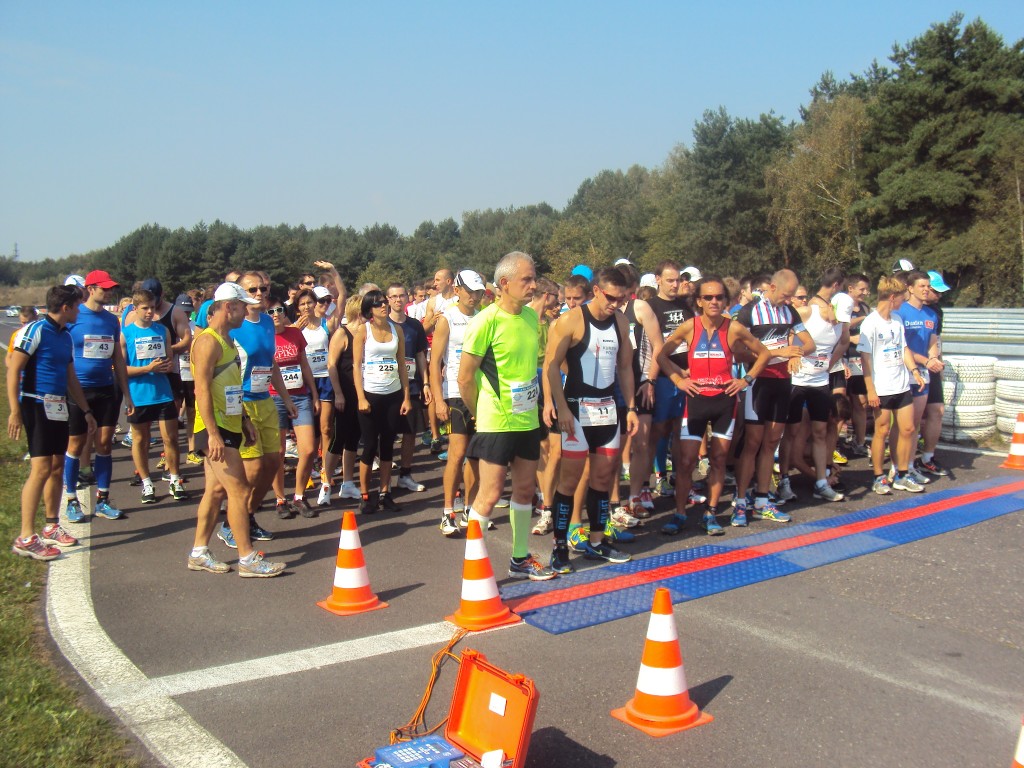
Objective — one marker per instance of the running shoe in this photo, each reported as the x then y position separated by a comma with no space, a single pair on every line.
624,474
710,524
448,525
136,481
530,568
105,510
624,519
149,495
838,458
349,490
638,510
323,499
675,524
160,464
407,482
34,547
605,551
225,534
436,447
618,535
704,466
259,568
207,562
696,497
932,468
882,485
664,487
301,507
577,538
543,524
284,512
178,492
194,458
368,505
772,513
74,511
739,517
387,503
907,483
55,536
502,503
859,450
126,441
560,563
729,479
828,493
785,490
917,476
442,456
256,533
646,499
86,477
291,449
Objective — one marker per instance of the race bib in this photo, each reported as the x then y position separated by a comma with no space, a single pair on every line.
381,371
55,407
317,362
816,361
856,369
597,411
233,400
292,375
149,348
632,334
410,366
185,367
259,379
524,395
925,374
892,357
98,347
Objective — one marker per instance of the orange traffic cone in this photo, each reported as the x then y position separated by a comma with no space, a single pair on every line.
481,606
1018,757
352,593
1016,458
662,703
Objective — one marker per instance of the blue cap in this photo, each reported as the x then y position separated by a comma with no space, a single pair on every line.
938,284
583,269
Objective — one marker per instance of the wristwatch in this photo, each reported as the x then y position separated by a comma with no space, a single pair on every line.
749,379
634,409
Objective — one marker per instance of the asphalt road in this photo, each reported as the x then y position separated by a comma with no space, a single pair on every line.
907,657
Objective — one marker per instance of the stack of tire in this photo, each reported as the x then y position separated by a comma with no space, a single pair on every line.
1009,395
969,392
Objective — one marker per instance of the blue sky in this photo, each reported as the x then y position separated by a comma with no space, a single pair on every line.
118,114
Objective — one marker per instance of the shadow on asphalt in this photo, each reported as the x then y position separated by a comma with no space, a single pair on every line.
705,693
551,748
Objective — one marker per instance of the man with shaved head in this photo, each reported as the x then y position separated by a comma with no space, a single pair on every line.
774,323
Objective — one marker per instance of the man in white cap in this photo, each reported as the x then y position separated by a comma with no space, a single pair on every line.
221,427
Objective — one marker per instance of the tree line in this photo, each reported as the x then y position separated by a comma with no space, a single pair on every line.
920,158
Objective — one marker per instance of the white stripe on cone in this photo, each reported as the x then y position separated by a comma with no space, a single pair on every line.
476,590
1017,449
662,628
1019,757
350,578
1018,428
475,549
349,540
656,681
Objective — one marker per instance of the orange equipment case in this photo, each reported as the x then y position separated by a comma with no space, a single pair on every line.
491,709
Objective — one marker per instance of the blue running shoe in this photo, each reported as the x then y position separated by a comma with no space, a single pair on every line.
709,524
226,535
259,534
619,537
74,511
674,525
104,509
560,562
530,568
605,551
739,517
578,538
770,512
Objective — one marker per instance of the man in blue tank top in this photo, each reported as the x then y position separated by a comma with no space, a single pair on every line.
98,360
44,353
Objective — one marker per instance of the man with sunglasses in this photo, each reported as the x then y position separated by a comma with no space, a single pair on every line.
592,342
255,340
711,389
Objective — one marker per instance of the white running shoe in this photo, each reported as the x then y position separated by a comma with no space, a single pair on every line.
785,490
406,482
324,497
349,490
543,524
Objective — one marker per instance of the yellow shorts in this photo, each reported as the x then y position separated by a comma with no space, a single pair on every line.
263,414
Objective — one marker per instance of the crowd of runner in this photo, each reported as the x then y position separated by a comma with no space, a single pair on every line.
586,399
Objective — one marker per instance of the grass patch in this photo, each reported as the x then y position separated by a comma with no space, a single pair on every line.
42,720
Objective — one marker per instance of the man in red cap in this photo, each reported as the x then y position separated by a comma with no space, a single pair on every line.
96,335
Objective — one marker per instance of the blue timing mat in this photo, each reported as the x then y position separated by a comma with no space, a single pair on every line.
616,591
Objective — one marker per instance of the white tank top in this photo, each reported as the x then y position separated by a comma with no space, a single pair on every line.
814,367
317,340
457,324
441,304
380,363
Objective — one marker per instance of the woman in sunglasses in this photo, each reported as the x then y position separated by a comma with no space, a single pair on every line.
317,328
711,391
382,390
289,354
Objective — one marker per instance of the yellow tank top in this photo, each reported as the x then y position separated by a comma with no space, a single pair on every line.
226,387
